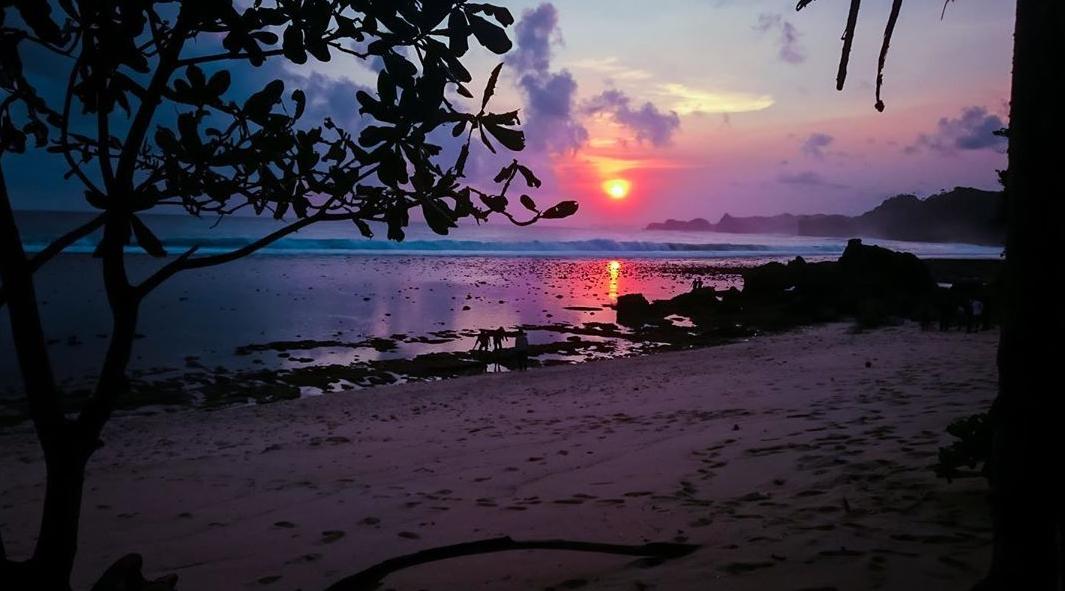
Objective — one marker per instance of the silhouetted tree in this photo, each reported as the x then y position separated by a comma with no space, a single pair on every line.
149,118
1028,447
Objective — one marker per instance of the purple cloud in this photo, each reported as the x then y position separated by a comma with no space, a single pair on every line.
807,178
552,114
973,129
814,145
550,97
789,50
646,122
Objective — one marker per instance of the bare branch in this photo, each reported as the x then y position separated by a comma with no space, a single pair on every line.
57,246
848,41
186,261
943,14
64,133
168,58
218,57
896,6
60,244
371,577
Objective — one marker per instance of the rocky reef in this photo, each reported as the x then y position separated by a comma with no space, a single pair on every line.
870,284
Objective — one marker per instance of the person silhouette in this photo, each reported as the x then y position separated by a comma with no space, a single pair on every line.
978,315
521,349
483,338
499,337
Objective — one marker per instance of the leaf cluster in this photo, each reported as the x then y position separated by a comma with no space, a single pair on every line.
151,115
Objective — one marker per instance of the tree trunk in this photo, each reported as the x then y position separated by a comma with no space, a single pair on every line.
57,542
1026,477
67,444
53,558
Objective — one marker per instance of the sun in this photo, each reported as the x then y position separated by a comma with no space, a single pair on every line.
617,188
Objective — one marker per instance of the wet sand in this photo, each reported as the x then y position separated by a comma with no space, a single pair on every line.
797,461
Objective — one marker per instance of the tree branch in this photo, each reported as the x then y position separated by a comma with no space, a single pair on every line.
896,6
57,246
186,260
848,41
372,577
138,129
60,244
217,57
64,132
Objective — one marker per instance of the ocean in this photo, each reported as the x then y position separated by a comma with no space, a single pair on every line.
426,294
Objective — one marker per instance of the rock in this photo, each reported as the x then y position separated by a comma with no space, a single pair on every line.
899,281
634,310
770,280
697,304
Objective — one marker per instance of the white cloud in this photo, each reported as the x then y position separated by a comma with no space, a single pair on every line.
610,66
687,100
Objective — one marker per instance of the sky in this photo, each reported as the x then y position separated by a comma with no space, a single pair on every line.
695,108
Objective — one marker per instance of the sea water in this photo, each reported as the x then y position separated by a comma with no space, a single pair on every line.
328,283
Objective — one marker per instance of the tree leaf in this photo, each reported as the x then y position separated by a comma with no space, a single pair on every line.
436,216
146,239
460,163
491,36
506,173
219,83
530,178
497,203
363,227
458,30
562,210
513,139
490,88
300,98
292,45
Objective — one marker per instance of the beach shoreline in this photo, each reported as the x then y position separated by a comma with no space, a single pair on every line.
795,460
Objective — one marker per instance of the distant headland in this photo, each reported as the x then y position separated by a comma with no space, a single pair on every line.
963,214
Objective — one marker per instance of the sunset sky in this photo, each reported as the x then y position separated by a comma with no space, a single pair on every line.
709,107
702,107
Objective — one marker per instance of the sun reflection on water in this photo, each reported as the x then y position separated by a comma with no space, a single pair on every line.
614,268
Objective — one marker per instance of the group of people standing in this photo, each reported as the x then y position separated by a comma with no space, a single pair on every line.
497,340
970,313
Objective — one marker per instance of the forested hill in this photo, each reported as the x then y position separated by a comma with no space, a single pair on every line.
963,214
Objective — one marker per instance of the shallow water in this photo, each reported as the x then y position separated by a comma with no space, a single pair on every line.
327,287
208,314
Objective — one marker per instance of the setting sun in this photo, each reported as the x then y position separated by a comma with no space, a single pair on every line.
617,188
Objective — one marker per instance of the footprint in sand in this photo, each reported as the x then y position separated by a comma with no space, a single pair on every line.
736,568
306,558
332,535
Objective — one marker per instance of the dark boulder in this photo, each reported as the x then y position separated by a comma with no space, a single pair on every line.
899,280
694,303
634,310
770,280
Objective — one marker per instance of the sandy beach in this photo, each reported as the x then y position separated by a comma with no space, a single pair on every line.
797,461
